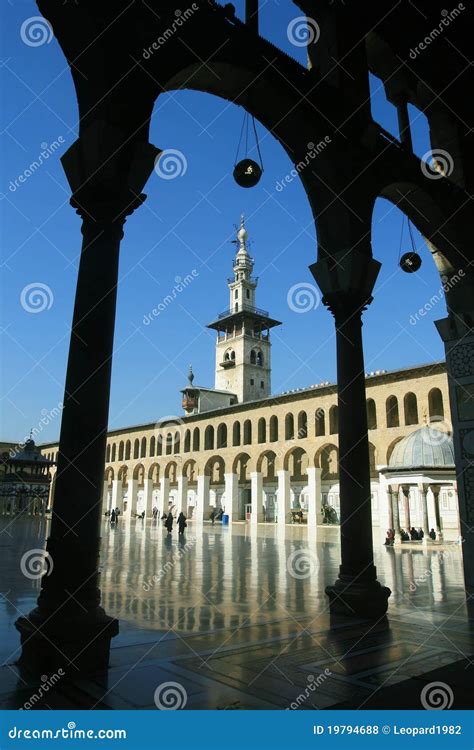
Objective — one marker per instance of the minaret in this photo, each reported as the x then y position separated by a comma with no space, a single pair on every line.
243,348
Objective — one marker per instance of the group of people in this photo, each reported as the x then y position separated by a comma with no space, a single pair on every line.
114,515
413,535
169,520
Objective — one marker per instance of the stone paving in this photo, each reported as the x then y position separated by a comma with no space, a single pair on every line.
238,619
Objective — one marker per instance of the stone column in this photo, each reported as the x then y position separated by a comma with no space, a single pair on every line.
69,624
457,332
132,498
202,498
182,496
231,493
116,493
423,490
435,489
314,495
164,496
105,498
347,280
406,507
393,495
148,490
283,498
256,484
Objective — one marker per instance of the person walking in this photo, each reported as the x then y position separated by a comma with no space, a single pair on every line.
113,516
181,523
169,522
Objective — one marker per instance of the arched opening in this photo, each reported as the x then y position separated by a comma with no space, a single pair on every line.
159,444
289,427
391,409
215,470
296,463
128,450
209,438
410,407
319,423
196,439
171,472
371,414
266,464
435,405
247,432
273,428
169,443
114,449
302,425
327,458
143,448
107,454
333,420
236,433
139,474
187,441
241,467
152,446
190,471
372,460
154,475
262,430
222,436
121,451
177,443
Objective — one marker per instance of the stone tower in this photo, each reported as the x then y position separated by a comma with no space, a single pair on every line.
243,348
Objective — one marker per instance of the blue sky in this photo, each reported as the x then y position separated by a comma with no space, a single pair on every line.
186,224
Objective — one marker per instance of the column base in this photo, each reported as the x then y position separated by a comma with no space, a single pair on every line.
80,645
350,598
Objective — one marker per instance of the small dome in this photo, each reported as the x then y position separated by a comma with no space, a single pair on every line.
426,447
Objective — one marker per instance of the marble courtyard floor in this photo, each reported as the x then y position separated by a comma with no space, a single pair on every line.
239,619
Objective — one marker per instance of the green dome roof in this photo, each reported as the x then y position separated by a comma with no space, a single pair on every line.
427,447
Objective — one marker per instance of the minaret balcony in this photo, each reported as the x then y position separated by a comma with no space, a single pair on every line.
228,363
243,308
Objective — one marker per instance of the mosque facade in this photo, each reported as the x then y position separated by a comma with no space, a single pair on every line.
274,458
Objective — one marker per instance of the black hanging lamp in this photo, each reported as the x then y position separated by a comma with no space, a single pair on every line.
247,172
409,262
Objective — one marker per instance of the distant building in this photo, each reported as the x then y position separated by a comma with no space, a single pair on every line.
265,457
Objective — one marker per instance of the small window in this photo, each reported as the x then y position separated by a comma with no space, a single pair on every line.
236,294
248,293
262,384
251,381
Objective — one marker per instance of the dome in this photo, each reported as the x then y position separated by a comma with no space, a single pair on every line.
426,447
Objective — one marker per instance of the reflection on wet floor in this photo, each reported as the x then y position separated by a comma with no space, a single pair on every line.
240,617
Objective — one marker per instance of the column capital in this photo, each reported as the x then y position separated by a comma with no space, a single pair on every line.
346,279
107,171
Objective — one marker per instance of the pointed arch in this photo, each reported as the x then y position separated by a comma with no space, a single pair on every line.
114,452
196,439
143,448
121,451
327,458
136,448
152,446
262,430
334,420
